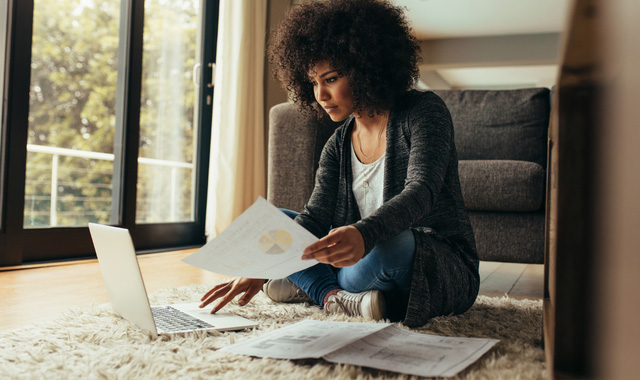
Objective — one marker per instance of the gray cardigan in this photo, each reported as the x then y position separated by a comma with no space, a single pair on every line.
421,192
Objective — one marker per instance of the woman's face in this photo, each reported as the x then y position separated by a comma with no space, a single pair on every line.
332,91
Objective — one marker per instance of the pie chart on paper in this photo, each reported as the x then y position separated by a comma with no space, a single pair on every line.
275,242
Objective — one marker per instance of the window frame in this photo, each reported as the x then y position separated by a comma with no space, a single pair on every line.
19,245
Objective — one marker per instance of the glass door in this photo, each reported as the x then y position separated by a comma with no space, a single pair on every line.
168,111
111,101
72,112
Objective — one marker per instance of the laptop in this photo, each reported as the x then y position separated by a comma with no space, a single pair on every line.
123,280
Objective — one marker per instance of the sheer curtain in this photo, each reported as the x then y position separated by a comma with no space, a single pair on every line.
237,162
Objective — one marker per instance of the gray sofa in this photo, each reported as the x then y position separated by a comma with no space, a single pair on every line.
501,139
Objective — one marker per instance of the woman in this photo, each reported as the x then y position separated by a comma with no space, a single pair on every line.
395,239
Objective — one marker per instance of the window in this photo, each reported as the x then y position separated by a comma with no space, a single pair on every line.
72,113
107,119
166,180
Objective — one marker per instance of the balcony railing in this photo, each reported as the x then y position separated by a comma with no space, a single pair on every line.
56,153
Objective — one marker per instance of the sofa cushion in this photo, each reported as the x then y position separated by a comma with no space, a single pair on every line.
516,237
502,185
500,125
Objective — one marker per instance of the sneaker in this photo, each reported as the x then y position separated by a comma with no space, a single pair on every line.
369,304
283,290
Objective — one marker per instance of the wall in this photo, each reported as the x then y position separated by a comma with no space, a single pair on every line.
509,61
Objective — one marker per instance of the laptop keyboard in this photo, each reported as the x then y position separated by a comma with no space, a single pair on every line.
170,319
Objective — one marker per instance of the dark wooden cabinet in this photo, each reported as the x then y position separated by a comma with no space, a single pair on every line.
592,255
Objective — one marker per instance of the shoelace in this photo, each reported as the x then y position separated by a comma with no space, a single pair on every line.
349,302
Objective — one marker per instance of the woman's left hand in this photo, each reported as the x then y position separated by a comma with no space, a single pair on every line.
342,247
230,289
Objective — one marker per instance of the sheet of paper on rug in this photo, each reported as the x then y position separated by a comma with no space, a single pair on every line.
398,350
262,242
375,345
306,339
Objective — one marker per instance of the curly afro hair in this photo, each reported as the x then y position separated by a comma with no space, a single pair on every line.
368,41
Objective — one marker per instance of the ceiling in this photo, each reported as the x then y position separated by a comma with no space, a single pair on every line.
472,18
468,31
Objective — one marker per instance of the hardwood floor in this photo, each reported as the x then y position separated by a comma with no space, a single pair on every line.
37,293
512,279
32,294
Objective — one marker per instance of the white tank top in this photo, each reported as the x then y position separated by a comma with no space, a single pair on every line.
368,180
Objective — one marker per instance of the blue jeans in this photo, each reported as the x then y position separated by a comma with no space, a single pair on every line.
387,267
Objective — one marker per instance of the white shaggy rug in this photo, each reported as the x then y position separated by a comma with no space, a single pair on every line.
97,344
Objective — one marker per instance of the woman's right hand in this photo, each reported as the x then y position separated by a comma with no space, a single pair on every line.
229,290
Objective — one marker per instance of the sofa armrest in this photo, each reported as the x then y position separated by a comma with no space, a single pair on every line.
291,162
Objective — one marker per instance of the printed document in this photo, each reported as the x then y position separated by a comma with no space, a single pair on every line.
263,242
375,345
306,339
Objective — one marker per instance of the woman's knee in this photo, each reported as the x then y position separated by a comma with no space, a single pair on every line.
388,264
397,251
290,213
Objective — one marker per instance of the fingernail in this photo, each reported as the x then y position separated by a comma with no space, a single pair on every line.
201,305
241,303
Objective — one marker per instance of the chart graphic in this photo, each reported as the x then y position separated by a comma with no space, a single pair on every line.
275,242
